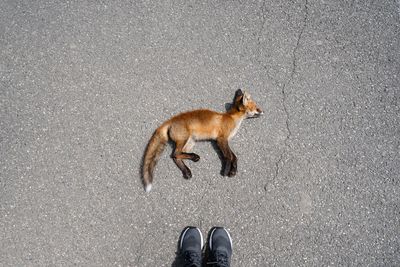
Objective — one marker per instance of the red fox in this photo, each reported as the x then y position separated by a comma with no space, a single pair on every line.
186,128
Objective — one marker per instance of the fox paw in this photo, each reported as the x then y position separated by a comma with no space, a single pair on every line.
195,158
227,169
232,173
187,174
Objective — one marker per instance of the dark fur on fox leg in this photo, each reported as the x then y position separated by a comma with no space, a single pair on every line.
227,167
230,168
230,159
187,174
232,172
193,157
184,155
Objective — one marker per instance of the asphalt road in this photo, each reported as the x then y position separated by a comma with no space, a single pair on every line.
83,84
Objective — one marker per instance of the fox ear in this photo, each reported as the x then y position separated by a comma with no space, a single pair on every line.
238,93
238,96
246,97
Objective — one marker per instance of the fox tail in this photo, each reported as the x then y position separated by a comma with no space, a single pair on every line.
153,152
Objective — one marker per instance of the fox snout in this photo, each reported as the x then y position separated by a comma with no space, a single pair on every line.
255,113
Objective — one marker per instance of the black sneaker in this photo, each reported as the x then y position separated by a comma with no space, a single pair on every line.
220,247
190,246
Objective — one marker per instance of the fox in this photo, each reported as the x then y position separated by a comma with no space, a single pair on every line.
188,127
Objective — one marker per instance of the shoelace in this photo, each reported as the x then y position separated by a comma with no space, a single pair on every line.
221,259
192,258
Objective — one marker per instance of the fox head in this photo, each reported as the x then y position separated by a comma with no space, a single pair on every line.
243,102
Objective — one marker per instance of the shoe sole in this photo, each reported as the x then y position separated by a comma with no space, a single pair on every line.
211,235
184,233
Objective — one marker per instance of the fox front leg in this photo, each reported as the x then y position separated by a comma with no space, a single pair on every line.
230,158
232,172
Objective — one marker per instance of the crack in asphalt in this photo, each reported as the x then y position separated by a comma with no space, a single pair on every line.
140,251
284,94
294,52
263,19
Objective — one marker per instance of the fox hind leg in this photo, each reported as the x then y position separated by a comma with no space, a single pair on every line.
187,174
182,150
188,147
179,155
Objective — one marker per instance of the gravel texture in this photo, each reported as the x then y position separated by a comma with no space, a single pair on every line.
83,84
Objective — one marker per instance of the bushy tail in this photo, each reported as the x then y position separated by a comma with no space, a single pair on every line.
153,152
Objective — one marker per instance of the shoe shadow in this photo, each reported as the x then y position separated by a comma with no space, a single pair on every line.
178,261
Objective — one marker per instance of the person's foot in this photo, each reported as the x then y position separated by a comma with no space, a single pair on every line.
220,247
190,246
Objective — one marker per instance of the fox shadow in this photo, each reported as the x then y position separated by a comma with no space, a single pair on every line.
220,156
228,106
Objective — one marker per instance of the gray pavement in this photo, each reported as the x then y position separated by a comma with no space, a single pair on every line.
83,84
